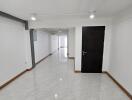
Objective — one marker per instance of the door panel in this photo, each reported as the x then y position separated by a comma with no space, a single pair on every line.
92,49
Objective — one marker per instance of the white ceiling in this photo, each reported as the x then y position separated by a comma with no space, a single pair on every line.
59,31
62,8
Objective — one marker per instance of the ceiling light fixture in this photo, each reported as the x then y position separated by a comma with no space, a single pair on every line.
33,17
92,15
55,95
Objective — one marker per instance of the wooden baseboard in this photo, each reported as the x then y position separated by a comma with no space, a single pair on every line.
71,58
77,71
43,59
30,69
118,84
13,79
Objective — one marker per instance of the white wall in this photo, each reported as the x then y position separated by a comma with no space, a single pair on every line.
28,50
78,48
71,42
42,45
54,43
46,43
121,49
13,49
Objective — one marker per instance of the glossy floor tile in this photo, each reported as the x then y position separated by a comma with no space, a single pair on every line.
54,79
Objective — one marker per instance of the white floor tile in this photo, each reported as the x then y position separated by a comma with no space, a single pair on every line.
54,79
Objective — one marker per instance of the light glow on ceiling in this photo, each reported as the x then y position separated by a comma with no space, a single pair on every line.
33,18
92,16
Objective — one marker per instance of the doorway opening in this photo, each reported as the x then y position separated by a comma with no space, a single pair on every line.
63,43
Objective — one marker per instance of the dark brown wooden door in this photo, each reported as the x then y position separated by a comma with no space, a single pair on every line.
92,49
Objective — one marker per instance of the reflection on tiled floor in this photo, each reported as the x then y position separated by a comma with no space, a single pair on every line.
54,79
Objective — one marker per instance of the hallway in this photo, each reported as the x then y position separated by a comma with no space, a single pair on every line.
54,78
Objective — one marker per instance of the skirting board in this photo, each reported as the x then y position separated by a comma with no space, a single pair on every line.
71,58
118,84
43,59
13,79
77,71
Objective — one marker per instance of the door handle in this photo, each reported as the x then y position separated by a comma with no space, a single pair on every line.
83,52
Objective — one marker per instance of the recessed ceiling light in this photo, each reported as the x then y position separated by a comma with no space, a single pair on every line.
33,18
56,96
92,16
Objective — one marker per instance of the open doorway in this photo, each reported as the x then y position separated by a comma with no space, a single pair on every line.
63,41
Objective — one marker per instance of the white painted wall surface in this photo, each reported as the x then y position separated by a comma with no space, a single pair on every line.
54,43
42,45
46,43
78,48
13,49
121,49
28,50
71,42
